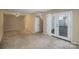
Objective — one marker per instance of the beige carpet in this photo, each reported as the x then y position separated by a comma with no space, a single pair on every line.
16,40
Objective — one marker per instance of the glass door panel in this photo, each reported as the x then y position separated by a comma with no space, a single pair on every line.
62,26
53,25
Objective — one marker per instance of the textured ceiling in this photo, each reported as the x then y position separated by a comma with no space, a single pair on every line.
26,10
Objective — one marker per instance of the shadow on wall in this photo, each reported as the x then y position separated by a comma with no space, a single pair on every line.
41,25
13,23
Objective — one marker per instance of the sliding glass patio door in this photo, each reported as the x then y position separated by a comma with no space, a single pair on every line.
62,25
59,25
53,25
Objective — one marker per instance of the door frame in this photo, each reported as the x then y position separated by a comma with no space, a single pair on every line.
57,26
54,34
37,22
69,20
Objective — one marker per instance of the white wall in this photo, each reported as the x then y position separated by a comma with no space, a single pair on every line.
75,27
48,23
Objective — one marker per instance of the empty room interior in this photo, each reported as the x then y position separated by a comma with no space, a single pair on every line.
39,29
